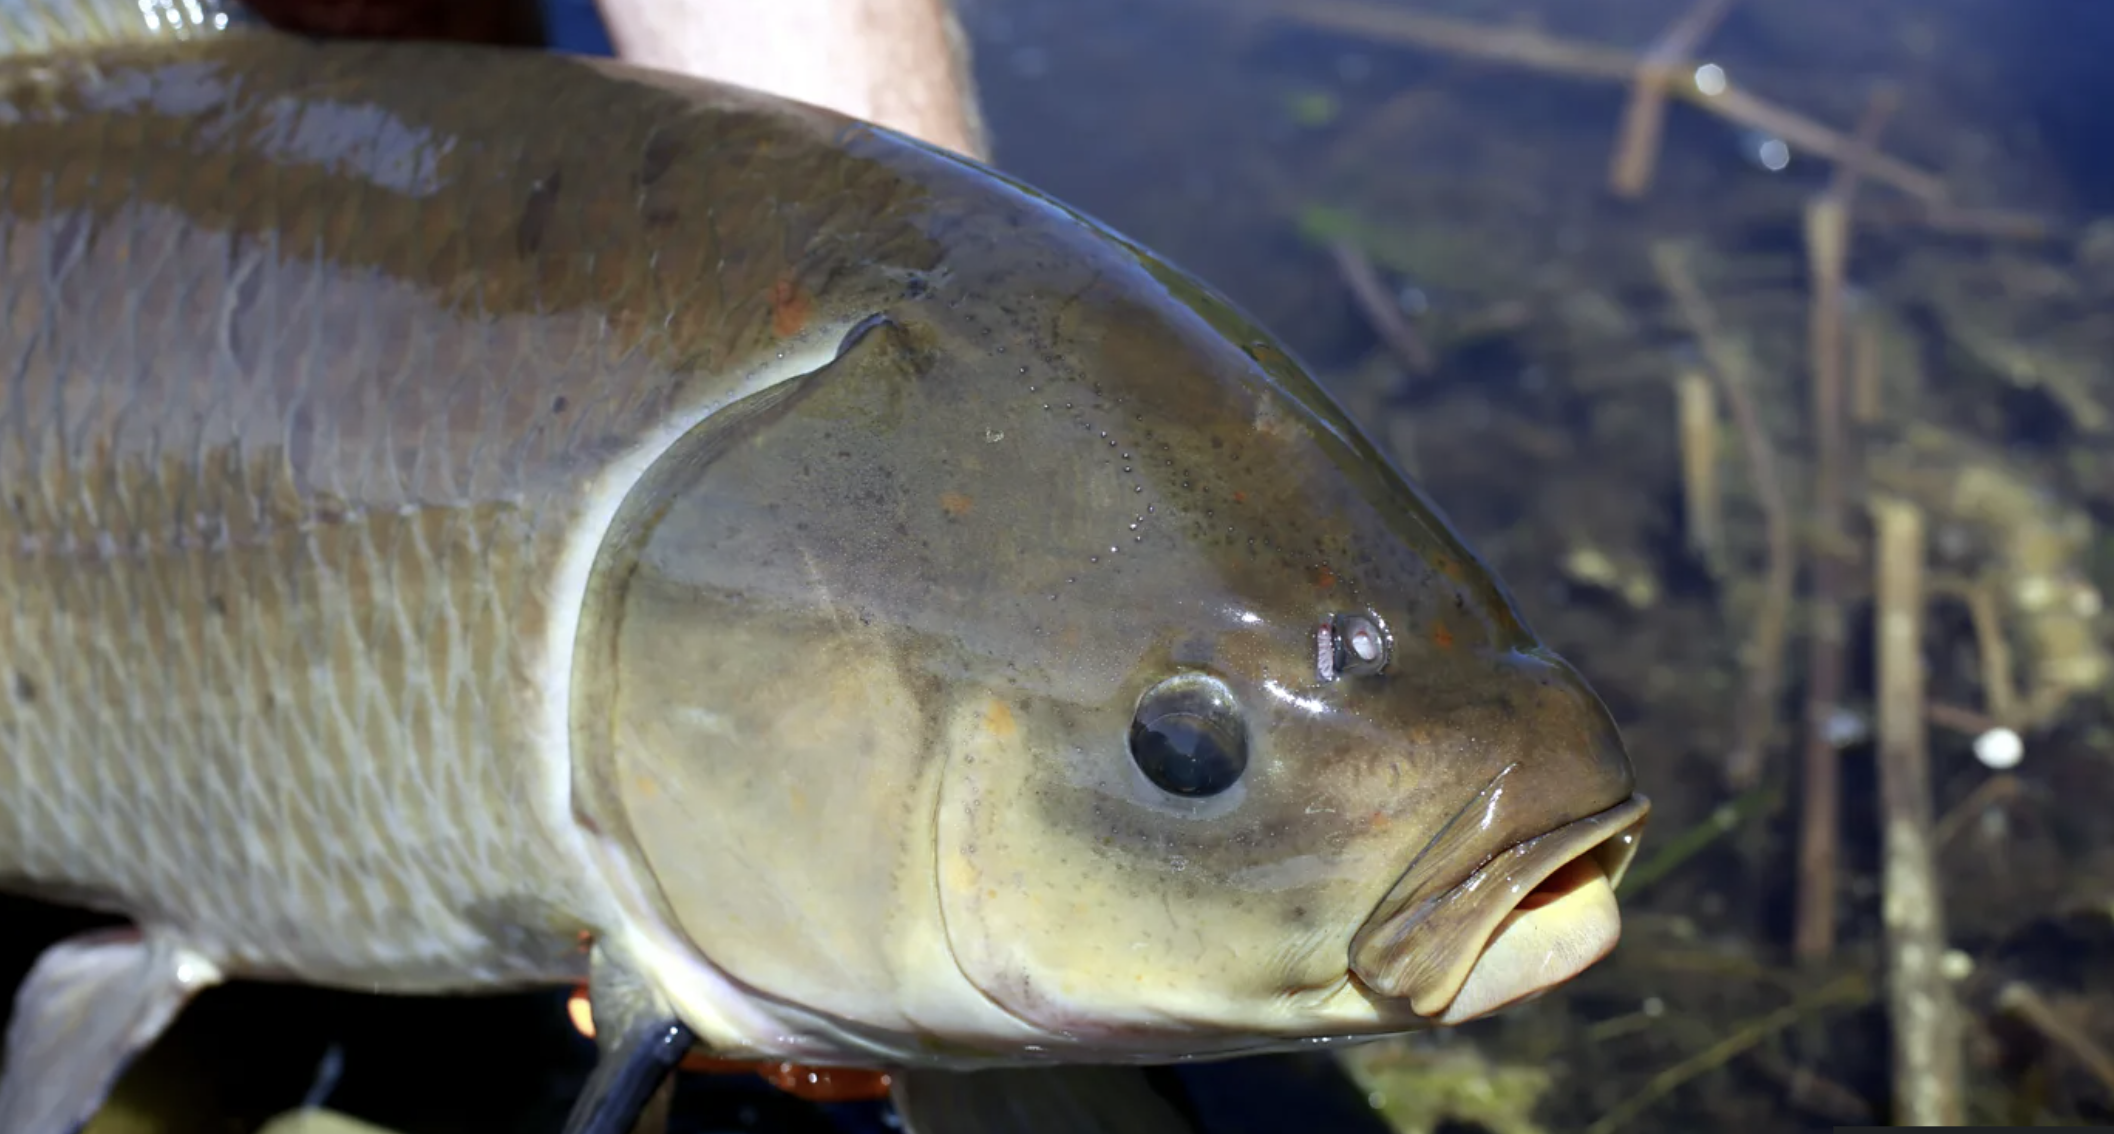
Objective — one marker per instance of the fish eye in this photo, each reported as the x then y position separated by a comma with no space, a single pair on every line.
1351,645
1188,737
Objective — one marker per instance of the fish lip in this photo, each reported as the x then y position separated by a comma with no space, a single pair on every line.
1423,947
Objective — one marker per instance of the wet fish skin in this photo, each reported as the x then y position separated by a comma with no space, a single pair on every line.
309,388
449,539
265,406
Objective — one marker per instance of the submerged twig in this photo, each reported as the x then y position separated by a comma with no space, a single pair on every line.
1697,406
1961,220
1845,990
1958,718
1798,131
1867,370
1765,649
1820,815
2000,693
1820,808
1379,307
1521,46
1644,118
1920,1004
1686,845
2020,1000
1808,1089
1540,51
1992,791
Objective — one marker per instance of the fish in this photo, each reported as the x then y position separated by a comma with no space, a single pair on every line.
478,519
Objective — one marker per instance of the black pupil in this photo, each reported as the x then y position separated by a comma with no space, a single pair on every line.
1188,753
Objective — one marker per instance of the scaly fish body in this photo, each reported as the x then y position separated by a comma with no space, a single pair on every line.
317,405
463,505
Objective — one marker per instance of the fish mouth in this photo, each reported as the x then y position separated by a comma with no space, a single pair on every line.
1531,918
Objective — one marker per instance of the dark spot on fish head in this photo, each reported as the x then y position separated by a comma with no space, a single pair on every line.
558,404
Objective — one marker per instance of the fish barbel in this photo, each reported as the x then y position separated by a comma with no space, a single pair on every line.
475,519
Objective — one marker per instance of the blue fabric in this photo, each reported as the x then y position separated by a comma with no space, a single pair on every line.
576,26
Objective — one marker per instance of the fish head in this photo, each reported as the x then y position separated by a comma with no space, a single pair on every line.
1057,671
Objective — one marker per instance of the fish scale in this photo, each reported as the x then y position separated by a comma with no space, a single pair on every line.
194,788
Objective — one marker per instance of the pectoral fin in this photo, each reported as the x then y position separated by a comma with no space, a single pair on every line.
1038,1100
641,1041
87,1007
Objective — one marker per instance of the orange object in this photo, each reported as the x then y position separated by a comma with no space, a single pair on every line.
815,1084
